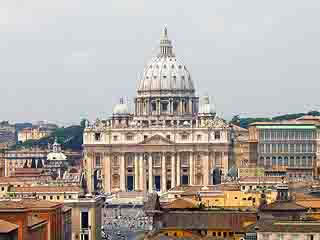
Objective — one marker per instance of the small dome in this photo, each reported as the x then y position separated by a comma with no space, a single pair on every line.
165,72
56,156
206,107
121,108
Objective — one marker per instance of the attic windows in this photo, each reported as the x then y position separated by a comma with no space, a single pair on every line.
129,137
97,136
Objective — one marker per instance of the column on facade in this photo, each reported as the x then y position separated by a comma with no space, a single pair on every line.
141,173
190,105
163,173
150,173
122,173
225,162
107,173
191,169
136,172
173,171
178,169
206,169
180,106
89,159
159,106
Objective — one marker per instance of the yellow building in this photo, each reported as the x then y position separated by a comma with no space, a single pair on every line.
223,195
86,209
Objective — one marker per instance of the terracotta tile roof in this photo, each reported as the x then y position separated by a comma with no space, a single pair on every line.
27,204
8,204
191,190
66,209
311,203
289,226
282,206
179,204
263,179
6,227
32,221
48,189
37,203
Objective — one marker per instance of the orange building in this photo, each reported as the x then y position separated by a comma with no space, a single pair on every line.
37,219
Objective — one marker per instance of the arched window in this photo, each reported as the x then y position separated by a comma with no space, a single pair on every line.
297,161
291,163
261,161
280,162
268,163
285,161
274,161
309,163
304,161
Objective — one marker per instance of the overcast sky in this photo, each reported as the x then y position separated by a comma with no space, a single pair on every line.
61,60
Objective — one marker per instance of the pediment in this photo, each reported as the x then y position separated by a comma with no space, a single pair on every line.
157,140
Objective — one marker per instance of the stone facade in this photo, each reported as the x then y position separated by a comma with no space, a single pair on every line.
170,139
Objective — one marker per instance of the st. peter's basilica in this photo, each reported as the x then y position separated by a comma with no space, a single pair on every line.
172,138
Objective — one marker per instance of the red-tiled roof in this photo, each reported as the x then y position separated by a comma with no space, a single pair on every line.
48,189
282,206
6,227
179,204
32,221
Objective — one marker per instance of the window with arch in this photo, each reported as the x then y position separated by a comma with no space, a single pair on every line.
298,162
304,161
274,161
130,159
309,162
262,161
280,162
268,163
291,163
285,162
156,160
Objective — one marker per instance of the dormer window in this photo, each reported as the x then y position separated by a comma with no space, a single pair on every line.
97,136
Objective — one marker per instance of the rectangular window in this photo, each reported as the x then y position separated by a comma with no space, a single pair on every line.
217,135
291,148
58,197
274,148
97,136
280,148
286,148
98,160
184,137
115,138
129,137
84,220
145,137
267,148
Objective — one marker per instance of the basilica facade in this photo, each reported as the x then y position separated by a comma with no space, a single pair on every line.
171,138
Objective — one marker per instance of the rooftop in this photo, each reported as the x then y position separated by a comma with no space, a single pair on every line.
27,203
289,226
48,189
6,227
32,221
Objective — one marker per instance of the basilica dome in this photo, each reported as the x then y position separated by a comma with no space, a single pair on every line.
121,108
165,73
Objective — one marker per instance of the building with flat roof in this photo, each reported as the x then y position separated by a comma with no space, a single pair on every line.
286,148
